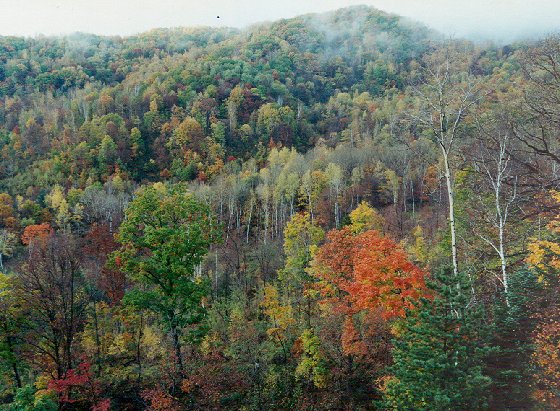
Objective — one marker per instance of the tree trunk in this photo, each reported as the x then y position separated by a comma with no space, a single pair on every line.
97,341
503,264
15,368
177,346
139,347
249,222
450,198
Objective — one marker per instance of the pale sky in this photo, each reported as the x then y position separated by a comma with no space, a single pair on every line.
491,19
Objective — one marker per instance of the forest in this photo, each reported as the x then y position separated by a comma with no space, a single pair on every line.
339,211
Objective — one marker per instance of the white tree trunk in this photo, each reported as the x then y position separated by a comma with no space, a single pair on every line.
450,198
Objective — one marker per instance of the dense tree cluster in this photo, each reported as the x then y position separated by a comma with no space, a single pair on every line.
338,211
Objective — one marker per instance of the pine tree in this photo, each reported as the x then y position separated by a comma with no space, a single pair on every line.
439,357
513,328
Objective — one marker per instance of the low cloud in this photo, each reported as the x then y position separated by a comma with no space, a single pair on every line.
498,20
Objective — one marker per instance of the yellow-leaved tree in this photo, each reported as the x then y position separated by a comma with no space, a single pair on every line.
364,218
544,254
281,318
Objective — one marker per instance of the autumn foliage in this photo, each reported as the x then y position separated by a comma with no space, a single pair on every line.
547,360
79,387
36,231
367,271
544,254
125,161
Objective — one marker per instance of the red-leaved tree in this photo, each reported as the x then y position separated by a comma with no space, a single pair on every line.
366,271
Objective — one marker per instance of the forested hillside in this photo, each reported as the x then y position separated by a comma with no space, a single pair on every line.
330,212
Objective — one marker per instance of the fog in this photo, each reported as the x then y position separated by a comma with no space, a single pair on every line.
499,20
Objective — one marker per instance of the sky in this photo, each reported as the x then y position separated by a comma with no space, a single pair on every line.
499,20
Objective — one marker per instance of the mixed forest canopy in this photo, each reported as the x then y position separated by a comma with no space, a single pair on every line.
334,211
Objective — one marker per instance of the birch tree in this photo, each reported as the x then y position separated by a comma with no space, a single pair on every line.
447,94
495,164
335,176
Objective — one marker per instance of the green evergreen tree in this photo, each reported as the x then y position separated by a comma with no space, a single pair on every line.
511,365
439,358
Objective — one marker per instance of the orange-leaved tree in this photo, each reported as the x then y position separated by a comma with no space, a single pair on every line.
36,231
364,280
366,271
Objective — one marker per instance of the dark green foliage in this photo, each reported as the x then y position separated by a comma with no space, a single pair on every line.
26,400
439,357
510,366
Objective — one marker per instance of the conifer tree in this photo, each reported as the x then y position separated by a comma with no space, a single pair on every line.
513,327
439,358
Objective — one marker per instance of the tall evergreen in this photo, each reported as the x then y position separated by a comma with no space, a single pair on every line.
439,358
513,326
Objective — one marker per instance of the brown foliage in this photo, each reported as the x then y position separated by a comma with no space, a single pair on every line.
99,242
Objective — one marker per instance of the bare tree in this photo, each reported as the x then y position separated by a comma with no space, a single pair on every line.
496,166
540,114
104,205
446,95
50,289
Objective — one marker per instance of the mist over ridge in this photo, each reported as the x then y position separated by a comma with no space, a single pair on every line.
500,20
